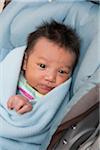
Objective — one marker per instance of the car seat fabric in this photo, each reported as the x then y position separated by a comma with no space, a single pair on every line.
85,106
7,17
17,33
79,132
82,16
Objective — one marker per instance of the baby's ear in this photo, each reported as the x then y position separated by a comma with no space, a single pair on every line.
24,64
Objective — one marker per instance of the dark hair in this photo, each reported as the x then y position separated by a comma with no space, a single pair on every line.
58,33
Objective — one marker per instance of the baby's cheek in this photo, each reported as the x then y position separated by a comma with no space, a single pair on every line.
42,77
61,80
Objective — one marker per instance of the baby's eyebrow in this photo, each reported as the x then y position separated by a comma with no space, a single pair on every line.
43,58
69,67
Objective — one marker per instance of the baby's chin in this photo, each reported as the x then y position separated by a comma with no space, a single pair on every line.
44,92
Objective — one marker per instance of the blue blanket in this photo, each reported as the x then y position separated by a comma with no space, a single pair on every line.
18,132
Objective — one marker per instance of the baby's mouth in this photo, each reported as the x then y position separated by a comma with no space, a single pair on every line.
46,88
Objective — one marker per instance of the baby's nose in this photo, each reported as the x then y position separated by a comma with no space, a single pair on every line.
51,76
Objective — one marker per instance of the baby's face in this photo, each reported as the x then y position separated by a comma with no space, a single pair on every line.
47,66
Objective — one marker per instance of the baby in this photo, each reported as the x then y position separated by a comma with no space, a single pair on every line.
51,55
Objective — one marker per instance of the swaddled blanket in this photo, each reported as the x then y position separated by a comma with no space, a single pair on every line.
27,131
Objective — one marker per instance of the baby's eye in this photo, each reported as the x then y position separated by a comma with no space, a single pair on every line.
42,66
62,71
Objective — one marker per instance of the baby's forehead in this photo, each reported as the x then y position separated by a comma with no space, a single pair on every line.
45,41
